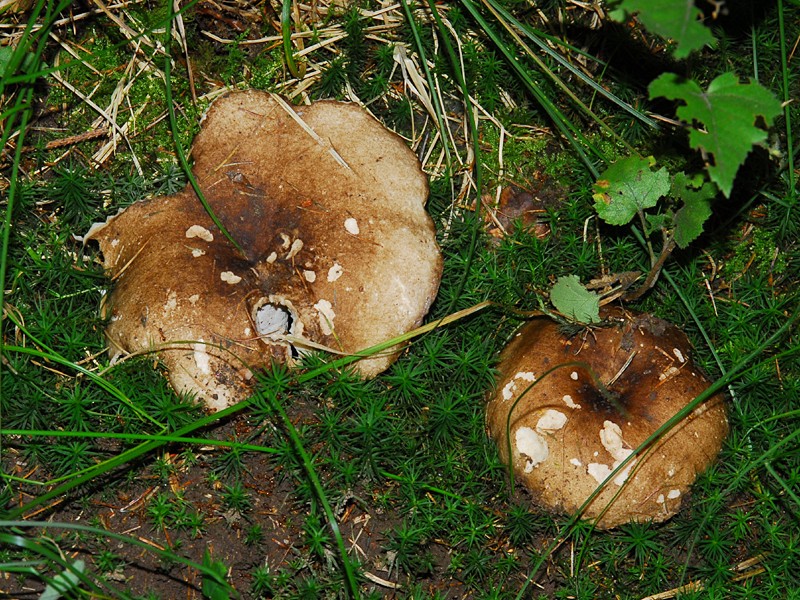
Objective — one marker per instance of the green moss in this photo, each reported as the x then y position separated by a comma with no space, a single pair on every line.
760,252
265,70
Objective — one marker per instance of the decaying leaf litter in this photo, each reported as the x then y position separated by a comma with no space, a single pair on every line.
435,159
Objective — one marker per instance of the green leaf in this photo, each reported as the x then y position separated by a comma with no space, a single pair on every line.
573,300
213,589
627,187
7,58
658,222
727,114
63,583
6,52
679,20
696,209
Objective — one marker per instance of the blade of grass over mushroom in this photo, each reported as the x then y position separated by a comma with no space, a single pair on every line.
579,364
311,133
383,346
568,129
173,123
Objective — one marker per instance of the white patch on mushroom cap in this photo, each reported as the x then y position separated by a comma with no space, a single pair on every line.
622,476
570,402
511,386
310,276
194,298
200,232
599,471
660,499
114,243
576,462
611,438
672,494
551,420
335,272
669,373
171,303
197,252
326,316
272,257
678,354
230,277
351,225
574,376
532,445
201,358
297,245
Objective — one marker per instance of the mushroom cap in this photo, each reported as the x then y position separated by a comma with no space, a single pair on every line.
567,436
338,251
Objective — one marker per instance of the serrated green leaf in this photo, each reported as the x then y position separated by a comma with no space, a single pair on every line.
678,20
573,300
727,114
690,218
628,186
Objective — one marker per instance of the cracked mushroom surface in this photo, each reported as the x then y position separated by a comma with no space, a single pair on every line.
568,435
338,250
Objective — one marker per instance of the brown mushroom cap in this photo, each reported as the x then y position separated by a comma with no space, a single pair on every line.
328,206
567,436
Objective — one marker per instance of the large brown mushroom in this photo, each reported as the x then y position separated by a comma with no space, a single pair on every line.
609,389
337,249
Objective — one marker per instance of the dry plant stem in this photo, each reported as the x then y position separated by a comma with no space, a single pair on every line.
655,271
746,569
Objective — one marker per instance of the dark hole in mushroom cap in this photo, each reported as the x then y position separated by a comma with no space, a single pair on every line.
606,401
273,319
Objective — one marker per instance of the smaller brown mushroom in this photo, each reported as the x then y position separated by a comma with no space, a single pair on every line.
618,384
